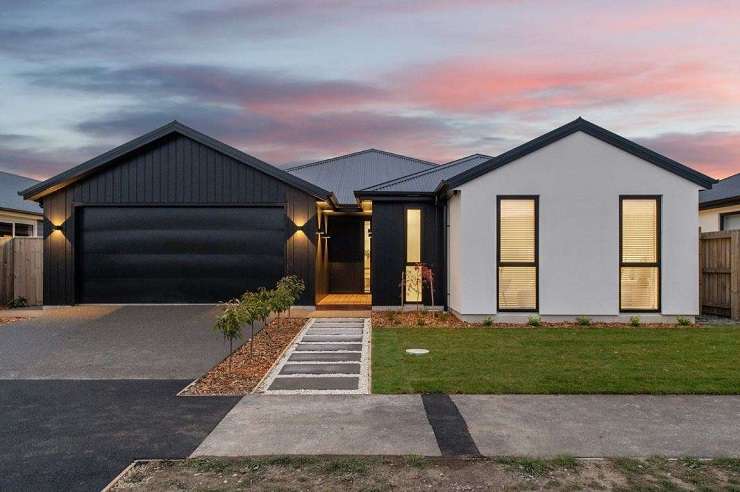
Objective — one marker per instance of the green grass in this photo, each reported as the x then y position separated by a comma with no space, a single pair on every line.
679,360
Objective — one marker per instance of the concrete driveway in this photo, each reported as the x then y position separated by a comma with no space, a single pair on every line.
112,342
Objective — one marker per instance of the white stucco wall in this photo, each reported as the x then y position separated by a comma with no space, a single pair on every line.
579,180
709,219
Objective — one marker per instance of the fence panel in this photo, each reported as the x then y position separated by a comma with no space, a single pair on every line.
22,269
719,260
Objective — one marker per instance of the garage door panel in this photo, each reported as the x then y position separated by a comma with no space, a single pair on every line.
182,241
169,290
177,254
188,218
114,266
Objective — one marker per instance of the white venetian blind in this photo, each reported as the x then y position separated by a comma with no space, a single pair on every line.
517,233
639,231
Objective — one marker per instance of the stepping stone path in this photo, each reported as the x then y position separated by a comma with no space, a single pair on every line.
330,356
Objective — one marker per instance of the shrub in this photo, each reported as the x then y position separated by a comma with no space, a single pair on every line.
584,320
18,302
635,321
488,321
683,321
534,320
229,324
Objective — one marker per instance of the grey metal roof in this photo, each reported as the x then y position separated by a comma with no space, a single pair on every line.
426,181
724,191
10,185
347,173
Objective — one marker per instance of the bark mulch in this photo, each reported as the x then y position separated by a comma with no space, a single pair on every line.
438,319
7,321
248,368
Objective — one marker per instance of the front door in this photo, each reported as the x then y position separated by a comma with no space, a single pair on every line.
346,254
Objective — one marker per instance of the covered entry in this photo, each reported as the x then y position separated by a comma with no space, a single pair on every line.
347,247
143,254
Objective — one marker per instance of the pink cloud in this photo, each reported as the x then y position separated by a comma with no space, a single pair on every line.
478,86
714,153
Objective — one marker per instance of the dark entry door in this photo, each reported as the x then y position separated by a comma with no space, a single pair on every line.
177,254
346,253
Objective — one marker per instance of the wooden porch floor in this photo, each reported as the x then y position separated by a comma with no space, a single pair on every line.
347,300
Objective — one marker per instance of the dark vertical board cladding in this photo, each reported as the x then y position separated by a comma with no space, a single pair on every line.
388,250
346,252
155,168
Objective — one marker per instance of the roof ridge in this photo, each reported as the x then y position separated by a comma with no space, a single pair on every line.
19,176
352,154
423,172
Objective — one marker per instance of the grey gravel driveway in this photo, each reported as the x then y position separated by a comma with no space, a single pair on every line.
112,342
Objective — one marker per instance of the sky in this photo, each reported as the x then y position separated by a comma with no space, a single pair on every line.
292,82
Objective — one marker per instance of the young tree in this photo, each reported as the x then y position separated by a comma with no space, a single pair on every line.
281,300
427,276
247,315
294,287
229,324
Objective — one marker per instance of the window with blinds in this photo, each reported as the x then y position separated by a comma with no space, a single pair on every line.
639,263
412,273
517,253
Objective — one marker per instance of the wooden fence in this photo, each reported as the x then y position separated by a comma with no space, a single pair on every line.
22,269
719,275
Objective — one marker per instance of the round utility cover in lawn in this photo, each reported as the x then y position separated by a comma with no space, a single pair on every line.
417,351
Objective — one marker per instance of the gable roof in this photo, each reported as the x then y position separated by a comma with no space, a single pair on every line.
595,131
725,192
89,167
425,181
346,173
10,185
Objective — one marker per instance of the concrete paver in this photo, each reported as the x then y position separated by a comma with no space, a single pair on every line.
603,425
323,424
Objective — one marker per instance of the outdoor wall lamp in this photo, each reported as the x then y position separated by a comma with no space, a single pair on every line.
55,227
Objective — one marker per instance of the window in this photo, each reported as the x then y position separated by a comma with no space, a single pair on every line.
23,230
366,258
413,255
6,229
40,228
517,244
729,221
639,252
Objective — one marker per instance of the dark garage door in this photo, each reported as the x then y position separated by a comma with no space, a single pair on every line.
177,254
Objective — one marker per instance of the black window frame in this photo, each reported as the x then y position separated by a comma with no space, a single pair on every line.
658,253
535,263
406,263
722,220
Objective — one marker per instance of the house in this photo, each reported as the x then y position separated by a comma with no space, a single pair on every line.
719,207
18,217
579,221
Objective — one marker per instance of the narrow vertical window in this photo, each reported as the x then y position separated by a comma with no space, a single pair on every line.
413,255
639,251
517,253
366,258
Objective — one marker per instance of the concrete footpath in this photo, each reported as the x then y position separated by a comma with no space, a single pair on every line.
489,425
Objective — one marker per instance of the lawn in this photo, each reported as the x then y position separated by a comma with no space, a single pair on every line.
565,360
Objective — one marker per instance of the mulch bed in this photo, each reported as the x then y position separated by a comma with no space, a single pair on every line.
7,321
247,367
439,319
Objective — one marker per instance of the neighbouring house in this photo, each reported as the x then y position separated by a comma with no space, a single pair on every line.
579,221
719,207
18,217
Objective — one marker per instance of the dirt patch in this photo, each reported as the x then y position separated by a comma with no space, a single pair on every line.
419,473
240,373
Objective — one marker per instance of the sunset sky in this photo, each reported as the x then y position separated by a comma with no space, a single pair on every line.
292,82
